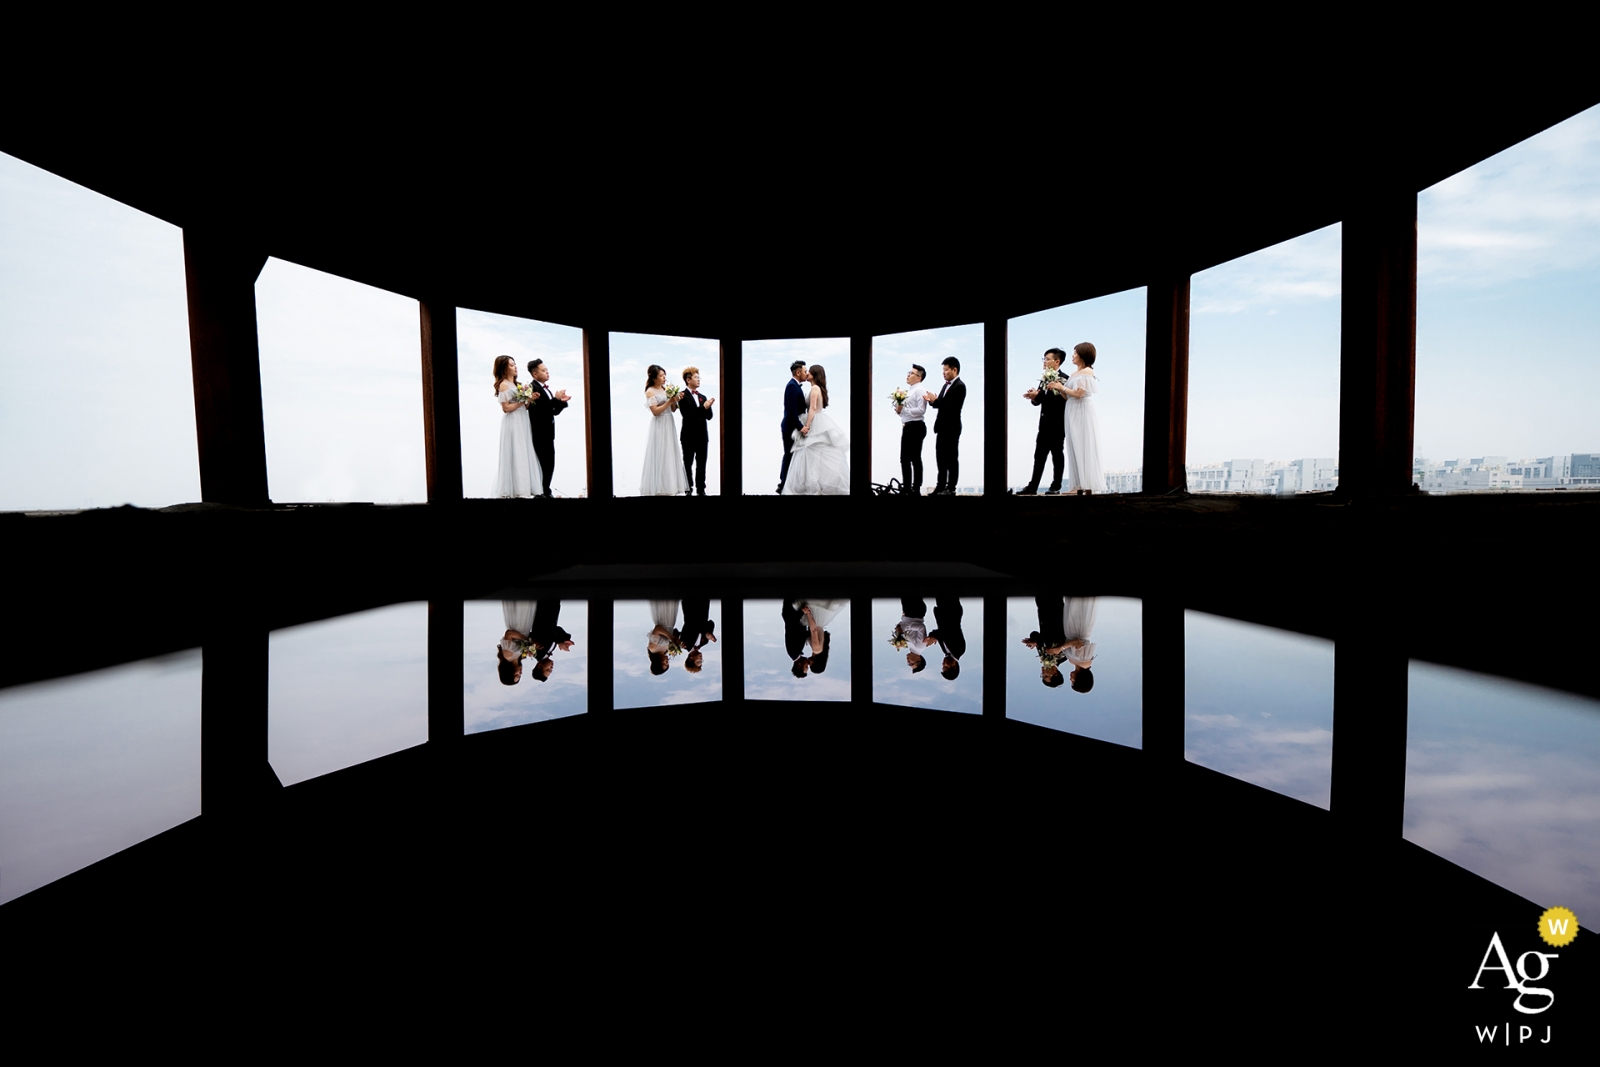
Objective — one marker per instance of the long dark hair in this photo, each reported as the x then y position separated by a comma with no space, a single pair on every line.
820,378
650,375
504,367
819,661
508,668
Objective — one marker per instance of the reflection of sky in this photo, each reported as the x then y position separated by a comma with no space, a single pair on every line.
1112,710
347,690
492,706
636,687
767,664
892,680
1504,779
92,764
1258,705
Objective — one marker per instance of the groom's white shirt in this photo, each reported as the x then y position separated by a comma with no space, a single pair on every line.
916,630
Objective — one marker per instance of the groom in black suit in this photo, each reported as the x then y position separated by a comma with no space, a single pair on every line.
947,430
542,419
693,436
794,408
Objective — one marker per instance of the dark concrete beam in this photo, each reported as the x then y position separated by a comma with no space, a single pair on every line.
1378,346
441,402
730,418
996,339
597,412
235,775
861,416
225,357
1166,384
1162,681
1370,703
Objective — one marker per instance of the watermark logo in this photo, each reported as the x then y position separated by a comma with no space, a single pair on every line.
1558,926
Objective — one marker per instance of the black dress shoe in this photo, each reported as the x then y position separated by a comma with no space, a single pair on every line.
1031,490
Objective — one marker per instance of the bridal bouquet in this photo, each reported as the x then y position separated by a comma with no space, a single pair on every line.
673,391
1049,378
525,392
1049,659
528,649
898,639
898,397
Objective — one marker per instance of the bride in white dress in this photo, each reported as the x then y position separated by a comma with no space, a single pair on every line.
1077,622
817,614
519,473
1083,429
663,456
821,456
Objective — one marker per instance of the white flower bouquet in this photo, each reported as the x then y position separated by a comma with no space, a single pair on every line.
898,397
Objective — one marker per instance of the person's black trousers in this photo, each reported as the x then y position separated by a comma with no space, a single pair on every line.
945,449
912,434
1051,447
691,452
788,454
545,453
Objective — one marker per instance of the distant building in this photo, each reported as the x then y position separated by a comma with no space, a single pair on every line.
1258,476
1502,474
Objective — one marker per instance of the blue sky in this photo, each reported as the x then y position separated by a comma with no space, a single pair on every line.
96,407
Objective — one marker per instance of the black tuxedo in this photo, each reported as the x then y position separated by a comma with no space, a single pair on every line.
695,437
547,632
1049,442
542,424
696,621
947,614
947,432
794,409
795,630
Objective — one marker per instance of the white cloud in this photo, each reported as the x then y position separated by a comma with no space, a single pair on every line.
1529,210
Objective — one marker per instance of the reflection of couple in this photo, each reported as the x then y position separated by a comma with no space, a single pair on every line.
805,624
665,640
532,632
1063,637
912,633
816,452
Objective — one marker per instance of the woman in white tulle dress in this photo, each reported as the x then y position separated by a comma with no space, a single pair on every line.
817,614
1083,430
519,473
820,463
519,624
663,456
1077,622
663,634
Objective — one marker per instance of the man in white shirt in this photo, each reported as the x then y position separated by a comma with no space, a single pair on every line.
913,431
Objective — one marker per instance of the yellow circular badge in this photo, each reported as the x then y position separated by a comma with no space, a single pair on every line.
1558,926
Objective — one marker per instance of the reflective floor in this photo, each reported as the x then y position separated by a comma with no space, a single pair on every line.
1502,777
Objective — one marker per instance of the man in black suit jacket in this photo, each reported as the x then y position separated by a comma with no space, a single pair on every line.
952,642
1052,426
542,419
693,436
947,430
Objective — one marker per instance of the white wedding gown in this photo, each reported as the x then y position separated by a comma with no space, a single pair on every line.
519,617
1077,622
519,473
823,611
1083,437
820,460
663,456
